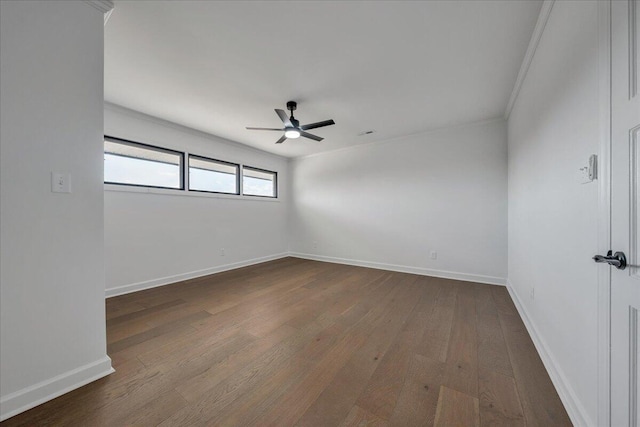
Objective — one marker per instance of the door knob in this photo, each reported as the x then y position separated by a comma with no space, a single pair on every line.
618,260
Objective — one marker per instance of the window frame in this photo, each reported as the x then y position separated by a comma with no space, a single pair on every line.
275,182
152,148
198,157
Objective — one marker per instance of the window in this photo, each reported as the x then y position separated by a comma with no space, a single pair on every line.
258,182
137,164
132,163
213,176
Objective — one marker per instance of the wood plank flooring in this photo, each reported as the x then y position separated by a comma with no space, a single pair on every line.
302,343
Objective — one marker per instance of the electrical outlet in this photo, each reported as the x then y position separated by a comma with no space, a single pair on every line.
433,255
221,251
532,293
315,245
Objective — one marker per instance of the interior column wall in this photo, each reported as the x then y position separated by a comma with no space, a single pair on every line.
552,130
52,327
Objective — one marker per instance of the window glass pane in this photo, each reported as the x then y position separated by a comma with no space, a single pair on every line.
128,163
209,175
258,182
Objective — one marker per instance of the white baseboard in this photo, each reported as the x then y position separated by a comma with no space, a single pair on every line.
576,411
126,289
44,391
490,280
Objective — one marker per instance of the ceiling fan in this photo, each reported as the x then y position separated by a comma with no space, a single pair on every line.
292,128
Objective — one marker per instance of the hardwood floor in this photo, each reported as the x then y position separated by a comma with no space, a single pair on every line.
297,342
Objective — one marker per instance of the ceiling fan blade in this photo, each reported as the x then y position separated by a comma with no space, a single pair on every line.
285,119
310,136
317,125
250,128
281,140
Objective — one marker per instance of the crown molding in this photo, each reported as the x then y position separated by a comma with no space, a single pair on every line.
104,6
538,30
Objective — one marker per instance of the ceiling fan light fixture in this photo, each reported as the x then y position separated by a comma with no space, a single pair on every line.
292,133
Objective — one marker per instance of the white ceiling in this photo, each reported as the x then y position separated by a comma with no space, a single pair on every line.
394,67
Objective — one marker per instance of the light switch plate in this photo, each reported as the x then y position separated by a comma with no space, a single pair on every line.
589,172
60,182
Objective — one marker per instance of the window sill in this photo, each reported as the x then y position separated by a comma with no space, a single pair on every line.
184,193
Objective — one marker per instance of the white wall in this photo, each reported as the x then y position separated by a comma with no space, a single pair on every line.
52,329
552,130
390,204
166,236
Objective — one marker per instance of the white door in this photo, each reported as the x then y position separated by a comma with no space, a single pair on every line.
625,210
